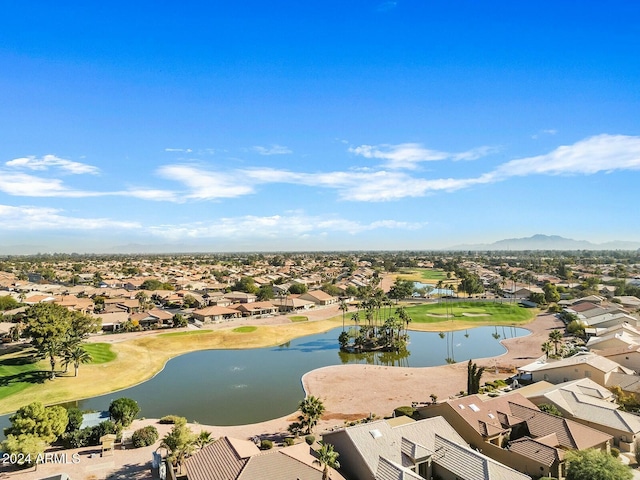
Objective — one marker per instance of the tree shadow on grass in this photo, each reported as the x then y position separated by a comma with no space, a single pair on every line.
33,376
26,360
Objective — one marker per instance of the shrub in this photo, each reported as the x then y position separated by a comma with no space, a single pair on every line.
172,420
615,453
404,410
310,439
288,441
145,436
266,445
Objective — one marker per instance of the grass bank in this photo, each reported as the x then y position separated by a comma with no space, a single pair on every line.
132,362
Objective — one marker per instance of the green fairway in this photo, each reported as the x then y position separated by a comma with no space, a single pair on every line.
298,318
245,329
100,352
18,371
466,313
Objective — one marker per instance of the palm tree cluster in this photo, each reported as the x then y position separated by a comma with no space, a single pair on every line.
474,374
378,333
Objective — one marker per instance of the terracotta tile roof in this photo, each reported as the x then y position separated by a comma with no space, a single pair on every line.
217,461
528,447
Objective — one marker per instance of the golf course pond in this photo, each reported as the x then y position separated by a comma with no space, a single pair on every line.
235,387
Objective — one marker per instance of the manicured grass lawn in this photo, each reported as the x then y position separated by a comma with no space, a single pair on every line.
481,313
245,329
299,318
184,334
100,352
18,371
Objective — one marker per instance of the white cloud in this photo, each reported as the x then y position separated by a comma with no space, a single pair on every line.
21,184
179,150
276,226
151,194
51,161
44,218
601,153
595,154
409,155
206,185
272,150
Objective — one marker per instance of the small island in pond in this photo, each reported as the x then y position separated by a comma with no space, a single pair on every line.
374,336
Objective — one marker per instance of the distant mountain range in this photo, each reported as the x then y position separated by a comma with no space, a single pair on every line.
548,242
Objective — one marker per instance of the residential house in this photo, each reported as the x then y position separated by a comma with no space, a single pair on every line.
512,430
590,404
401,448
292,303
232,459
112,322
214,314
241,297
628,301
319,297
588,365
256,309
617,336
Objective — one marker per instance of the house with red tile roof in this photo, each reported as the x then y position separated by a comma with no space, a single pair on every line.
512,430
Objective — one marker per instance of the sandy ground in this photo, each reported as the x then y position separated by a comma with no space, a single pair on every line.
349,392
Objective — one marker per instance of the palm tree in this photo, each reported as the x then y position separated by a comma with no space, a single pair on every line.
356,318
311,409
546,348
555,336
52,349
345,308
180,442
77,355
203,439
328,458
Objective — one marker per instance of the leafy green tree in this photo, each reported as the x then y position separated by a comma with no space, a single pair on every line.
328,458
551,294
537,298
401,289
27,446
47,423
123,411
75,419
298,289
593,464
471,284
7,302
265,292
245,284
180,320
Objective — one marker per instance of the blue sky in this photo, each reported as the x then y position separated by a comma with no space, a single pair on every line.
327,125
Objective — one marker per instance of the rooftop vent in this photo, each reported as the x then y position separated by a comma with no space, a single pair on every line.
375,433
